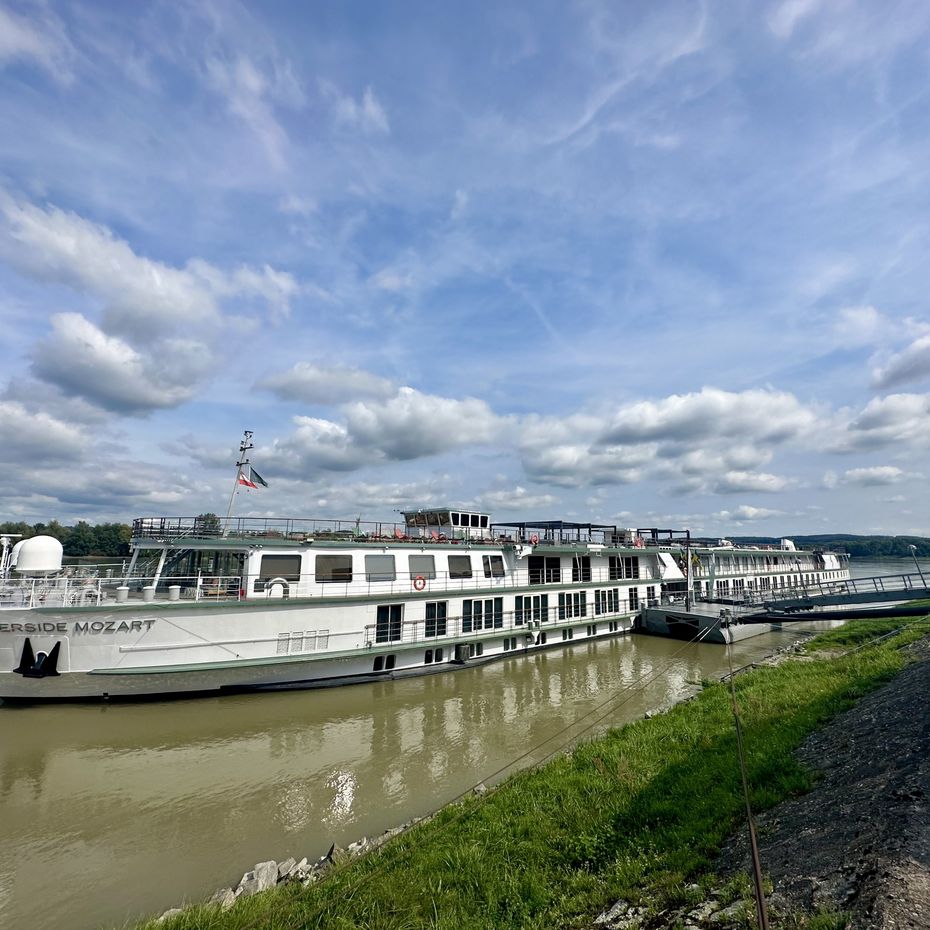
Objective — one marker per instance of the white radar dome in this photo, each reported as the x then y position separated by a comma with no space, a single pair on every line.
39,555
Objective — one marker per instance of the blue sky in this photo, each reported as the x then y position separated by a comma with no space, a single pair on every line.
647,264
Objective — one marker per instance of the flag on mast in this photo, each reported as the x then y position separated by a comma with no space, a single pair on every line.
253,479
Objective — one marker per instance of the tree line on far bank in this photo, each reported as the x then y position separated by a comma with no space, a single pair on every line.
858,547
83,538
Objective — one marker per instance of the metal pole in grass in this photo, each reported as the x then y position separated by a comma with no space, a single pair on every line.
761,912
913,549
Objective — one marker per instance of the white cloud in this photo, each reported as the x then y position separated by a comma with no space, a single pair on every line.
39,38
28,437
754,415
746,513
517,498
107,371
318,445
911,364
318,384
786,16
876,475
856,326
739,481
140,295
412,425
366,114
251,92
897,419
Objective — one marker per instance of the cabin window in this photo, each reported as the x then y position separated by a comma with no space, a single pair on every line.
388,623
634,598
436,618
544,569
482,614
581,568
423,565
438,656
493,566
459,566
378,664
529,607
389,662
380,568
333,568
278,566
484,523
428,658
455,519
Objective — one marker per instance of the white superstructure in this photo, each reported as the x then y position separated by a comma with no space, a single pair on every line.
247,603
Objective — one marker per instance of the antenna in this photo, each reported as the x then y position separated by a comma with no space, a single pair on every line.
243,459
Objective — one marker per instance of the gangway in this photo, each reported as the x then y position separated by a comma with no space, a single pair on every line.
877,589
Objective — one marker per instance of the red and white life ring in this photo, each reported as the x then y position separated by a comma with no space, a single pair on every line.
534,538
419,583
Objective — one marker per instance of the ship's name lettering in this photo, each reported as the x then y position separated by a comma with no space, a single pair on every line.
112,626
88,626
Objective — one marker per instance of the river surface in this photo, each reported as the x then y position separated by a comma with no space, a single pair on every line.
109,812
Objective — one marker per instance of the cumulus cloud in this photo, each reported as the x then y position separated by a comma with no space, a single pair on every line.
745,513
739,481
410,425
318,384
891,420
79,357
911,364
319,445
140,296
517,498
876,475
760,415
27,436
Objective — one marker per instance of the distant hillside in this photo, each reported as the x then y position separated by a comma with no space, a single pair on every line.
862,547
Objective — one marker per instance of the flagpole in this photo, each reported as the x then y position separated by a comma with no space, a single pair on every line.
244,447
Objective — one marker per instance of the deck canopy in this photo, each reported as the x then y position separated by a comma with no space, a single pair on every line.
557,531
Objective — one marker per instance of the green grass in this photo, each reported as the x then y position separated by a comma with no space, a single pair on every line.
636,814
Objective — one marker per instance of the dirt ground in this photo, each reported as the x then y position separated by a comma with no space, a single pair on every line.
860,841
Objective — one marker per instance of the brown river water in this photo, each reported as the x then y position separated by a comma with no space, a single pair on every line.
110,812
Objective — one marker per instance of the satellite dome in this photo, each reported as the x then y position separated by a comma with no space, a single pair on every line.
39,555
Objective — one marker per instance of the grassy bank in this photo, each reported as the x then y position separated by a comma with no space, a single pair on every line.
636,814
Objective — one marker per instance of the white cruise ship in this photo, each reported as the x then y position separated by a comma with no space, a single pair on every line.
208,606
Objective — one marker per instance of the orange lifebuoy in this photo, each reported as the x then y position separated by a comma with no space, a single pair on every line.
534,538
419,583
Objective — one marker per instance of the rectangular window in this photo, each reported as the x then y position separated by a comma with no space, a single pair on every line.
277,566
518,617
562,604
634,598
484,614
631,566
614,567
544,569
388,625
460,566
581,568
436,618
423,566
541,607
380,568
493,566
280,566
330,568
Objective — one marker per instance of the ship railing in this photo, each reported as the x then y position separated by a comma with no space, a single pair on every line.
906,584
526,622
83,591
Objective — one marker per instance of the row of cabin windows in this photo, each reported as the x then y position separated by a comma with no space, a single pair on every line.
488,613
469,519
338,568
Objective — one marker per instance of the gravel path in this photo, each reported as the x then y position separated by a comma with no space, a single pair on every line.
860,841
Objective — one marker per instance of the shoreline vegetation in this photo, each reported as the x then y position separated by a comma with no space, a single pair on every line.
627,826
